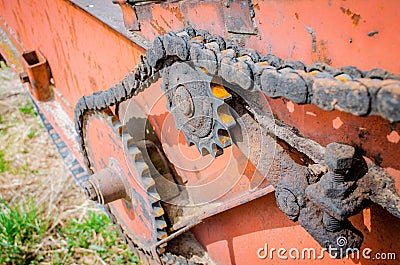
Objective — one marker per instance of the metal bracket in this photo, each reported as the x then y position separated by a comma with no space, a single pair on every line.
37,74
131,21
239,17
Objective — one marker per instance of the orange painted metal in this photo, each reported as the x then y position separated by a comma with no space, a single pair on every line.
106,148
86,55
38,72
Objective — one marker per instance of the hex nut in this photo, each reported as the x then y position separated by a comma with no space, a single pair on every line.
339,156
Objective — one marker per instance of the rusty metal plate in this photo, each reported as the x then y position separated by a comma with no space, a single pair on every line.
238,18
105,11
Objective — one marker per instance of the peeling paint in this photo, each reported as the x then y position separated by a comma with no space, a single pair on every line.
393,137
367,218
355,18
290,106
337,123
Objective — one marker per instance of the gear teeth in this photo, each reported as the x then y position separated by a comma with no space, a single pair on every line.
148,182
161,235
161,248
215,150
115,122
189,141
108,115
225,116
142,168
122,130
161,224
164,259
134,150
153,197
158,211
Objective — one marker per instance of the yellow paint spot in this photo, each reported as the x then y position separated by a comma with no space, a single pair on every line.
219,91
228,51
226,118
337,123
198,38
263,64
204,70
341,78
290,106
315,72
393,137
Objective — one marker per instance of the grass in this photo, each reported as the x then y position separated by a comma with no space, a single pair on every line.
21,229
28,108
44,217
4,164
24,228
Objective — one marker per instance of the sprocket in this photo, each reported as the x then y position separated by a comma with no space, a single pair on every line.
122,181
198,104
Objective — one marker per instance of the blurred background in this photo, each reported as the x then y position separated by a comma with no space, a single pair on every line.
44,216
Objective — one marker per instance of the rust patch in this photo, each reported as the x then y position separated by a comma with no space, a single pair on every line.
321,54
92,82
166,22
296,15
353,16
177,12
157,27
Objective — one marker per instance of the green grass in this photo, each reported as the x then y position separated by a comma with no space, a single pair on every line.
79,235
31,133
28,108
4,163
23,227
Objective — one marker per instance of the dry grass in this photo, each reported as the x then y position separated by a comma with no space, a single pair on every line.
37,192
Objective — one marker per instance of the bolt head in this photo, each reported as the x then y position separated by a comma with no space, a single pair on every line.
339,156
183,101
287,202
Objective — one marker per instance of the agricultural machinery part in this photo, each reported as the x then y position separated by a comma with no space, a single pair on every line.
195,66
37,74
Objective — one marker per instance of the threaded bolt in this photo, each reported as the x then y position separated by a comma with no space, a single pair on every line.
89,190
339,158
331,224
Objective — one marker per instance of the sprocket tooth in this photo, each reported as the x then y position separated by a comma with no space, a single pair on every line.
161,224
142,168
134,150
216,151
161,248
189,142
122,130
158,211
225,116
161,235
153,197
108,114
148,182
